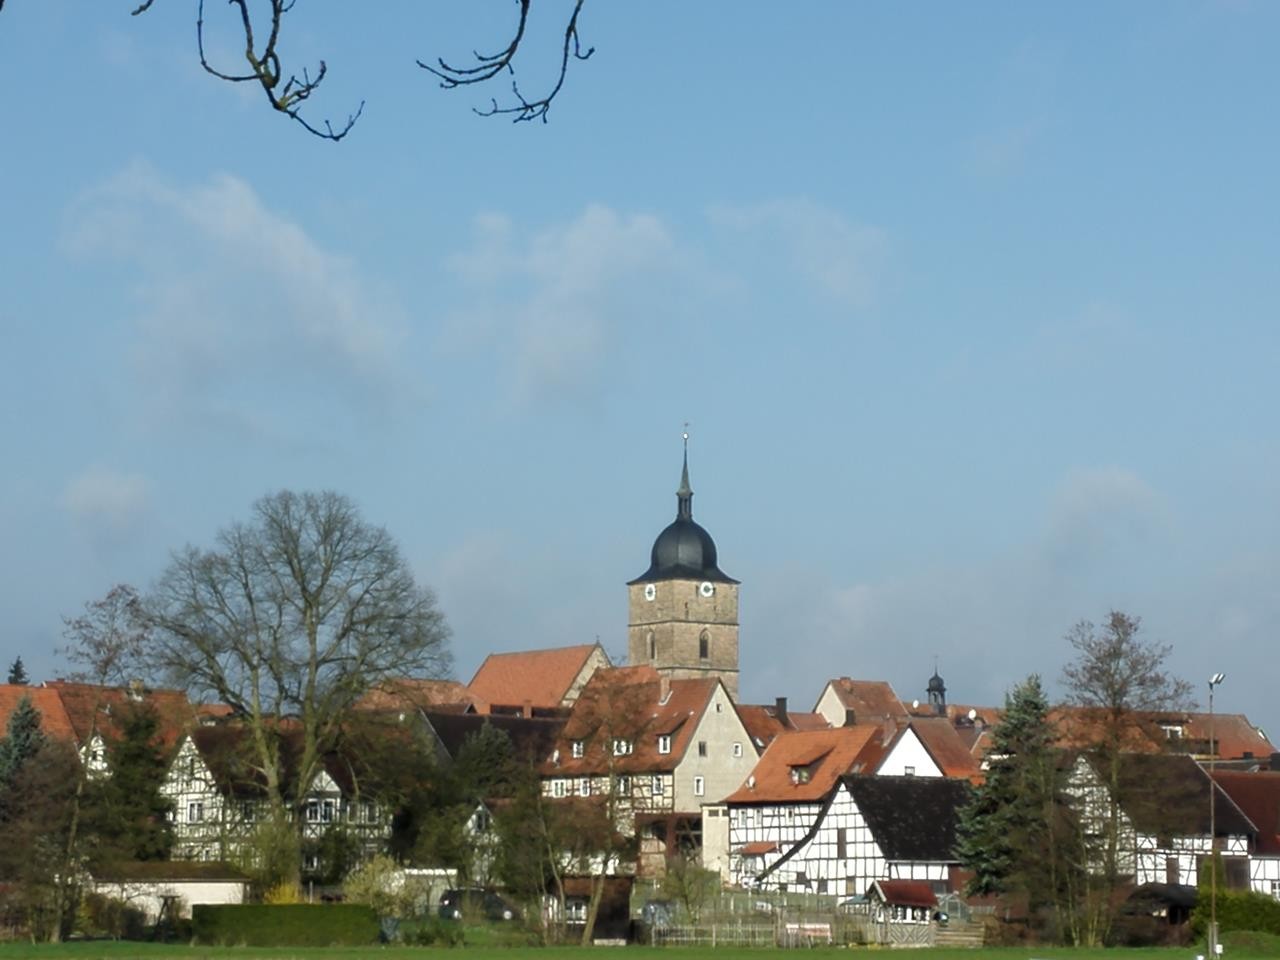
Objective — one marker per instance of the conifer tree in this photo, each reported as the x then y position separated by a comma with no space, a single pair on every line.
23,739
18,673
1014,834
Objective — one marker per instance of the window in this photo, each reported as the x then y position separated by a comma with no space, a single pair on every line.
584,786
575,910
370,812
656,786
558,788
653,646
578,748
704,645
908,771
624,785
699,786
246,811
1171,872
311,862
621,747
719,707
664,743
326,812
737,749
482,821
313,811
702,748
1275,889
195,811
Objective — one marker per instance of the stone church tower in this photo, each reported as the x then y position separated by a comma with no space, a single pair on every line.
684,609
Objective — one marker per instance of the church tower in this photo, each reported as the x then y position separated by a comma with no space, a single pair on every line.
684,610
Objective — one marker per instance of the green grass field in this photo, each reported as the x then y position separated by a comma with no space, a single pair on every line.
1238,947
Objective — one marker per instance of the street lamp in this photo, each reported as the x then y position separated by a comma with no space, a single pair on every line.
1214,680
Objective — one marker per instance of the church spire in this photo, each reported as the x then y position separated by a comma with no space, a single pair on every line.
684,496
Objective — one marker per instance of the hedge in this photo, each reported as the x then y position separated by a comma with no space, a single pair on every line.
285,925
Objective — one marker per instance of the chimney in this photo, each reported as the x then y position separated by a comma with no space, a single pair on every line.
780,711
850,718
527,709
664,688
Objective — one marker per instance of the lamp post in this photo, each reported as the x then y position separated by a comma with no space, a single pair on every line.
1214,680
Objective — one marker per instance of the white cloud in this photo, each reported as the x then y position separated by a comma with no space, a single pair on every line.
555,301
1101,511
990,619
238,305
106,502
836,257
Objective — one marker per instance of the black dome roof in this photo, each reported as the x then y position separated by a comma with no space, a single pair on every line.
684,550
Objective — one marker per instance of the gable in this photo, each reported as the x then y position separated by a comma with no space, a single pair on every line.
908,757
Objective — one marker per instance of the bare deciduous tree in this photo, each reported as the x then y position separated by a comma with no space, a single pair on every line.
289,619
1116,678
288,91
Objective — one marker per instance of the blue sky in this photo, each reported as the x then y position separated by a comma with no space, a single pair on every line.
971,310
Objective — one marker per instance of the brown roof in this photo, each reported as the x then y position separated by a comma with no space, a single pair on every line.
1258,795
539,677
412,693
627,703
808,721
758,847
93,707
946,747
1235,736
1176,732
227,752
868,699
54,722
906,893
805,765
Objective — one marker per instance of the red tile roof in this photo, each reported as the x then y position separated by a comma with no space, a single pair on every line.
539,677
1258,795
627,703
763,722
54,721
758,847
823,755
906,893
93,707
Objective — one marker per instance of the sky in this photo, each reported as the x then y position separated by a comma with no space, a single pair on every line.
970,309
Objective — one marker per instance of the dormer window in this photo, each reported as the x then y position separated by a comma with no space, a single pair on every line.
578,748
799,775
621,747
664,743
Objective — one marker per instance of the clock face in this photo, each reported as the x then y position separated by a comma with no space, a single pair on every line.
707,588
650,591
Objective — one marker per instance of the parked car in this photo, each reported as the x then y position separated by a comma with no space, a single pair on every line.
472,903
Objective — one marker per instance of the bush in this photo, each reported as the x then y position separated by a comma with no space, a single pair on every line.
1238,910
436,932
290,925
102,916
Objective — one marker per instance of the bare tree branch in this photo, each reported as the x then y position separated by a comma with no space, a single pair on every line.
489,66
286,96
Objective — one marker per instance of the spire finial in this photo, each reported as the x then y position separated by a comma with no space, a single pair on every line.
684,496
